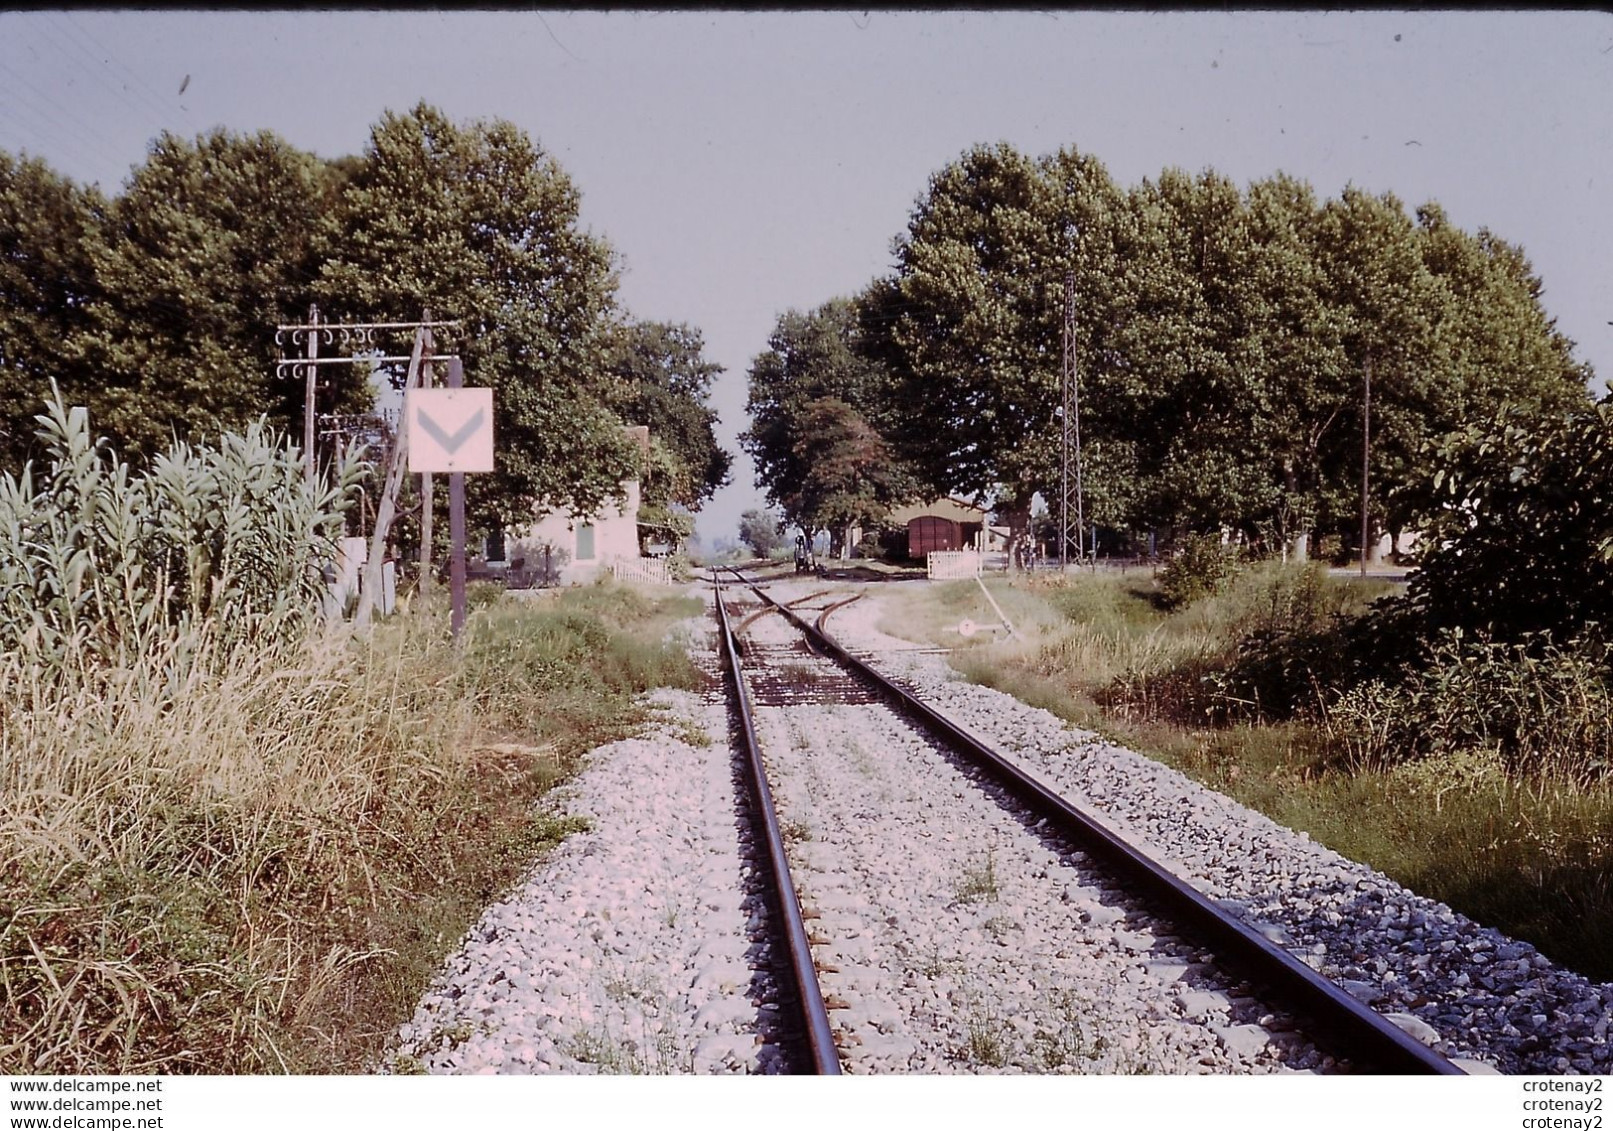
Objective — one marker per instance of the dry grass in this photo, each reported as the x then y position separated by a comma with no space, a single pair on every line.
251,862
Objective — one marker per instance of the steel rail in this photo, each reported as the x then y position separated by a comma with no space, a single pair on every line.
765,610
814,1014
1356,1026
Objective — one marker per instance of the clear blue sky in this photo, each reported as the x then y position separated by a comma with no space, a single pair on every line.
745,163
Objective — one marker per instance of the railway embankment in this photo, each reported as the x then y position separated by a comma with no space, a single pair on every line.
251,860
1491,993
947,934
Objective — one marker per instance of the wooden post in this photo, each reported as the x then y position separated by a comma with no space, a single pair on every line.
389,495
1366,453
456,527
427,510
308,392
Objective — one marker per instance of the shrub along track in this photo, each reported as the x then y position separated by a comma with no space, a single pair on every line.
928,967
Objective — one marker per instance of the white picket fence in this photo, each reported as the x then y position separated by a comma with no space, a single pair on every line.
652,571
949,565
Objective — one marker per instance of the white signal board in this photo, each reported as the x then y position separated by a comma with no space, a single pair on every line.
450,429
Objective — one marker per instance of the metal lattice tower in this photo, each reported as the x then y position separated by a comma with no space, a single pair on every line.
1070,438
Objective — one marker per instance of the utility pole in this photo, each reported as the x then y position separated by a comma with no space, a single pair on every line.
1064,429
367,338
389,493
427,511
1366,454
456,528
308,393
1070,436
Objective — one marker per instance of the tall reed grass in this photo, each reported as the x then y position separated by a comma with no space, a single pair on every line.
233,837
258,873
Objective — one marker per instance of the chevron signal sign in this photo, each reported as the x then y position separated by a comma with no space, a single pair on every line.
450,429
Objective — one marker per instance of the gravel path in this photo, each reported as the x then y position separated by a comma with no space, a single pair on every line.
1481,994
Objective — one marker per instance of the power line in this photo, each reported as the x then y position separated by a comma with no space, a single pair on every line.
62,42
141,88
53,112
45,140
63,129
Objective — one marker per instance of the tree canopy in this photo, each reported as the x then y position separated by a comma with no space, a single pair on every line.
1222,339
760,531
660,378
479,225
47,281
156,308
821,406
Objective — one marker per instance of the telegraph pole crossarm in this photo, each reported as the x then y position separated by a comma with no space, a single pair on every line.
366,339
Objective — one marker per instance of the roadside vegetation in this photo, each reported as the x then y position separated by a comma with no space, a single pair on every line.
1456,732
233,839
1477,778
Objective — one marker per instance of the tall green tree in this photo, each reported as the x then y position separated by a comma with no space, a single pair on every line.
1494,336
980,276
760,531
1197,358
47,281
662,379
850,479
1221,343
209,246
479,224
1383,306
817,401
1298,402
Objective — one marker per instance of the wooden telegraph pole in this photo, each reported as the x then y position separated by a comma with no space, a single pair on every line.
427,510
456,525
364,337
309,391
389,493
1366,454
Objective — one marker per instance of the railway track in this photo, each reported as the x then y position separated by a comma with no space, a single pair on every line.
777,674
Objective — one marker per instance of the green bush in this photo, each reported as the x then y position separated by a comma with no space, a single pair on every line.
1545,708
680,564
1300,637
1519,529
1271,645
103,563
1200,568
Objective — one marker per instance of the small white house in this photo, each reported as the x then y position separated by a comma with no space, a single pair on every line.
582,545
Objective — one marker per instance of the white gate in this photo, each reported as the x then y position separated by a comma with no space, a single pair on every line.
948,565
650,570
